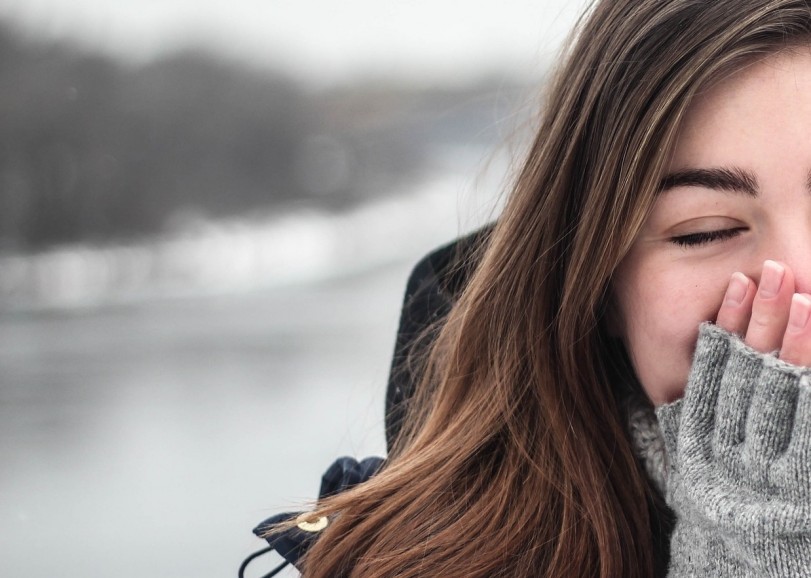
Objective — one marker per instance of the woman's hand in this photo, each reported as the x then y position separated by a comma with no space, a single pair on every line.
738,443
770,316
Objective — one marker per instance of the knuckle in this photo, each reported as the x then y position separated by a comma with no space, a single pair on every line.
761,321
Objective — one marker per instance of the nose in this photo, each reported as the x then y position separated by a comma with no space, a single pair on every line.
792,248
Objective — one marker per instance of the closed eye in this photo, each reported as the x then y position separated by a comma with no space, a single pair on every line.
706,237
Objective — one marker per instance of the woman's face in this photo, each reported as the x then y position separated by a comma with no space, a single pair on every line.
738,192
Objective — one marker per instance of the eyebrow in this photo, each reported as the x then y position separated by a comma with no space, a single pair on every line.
723,179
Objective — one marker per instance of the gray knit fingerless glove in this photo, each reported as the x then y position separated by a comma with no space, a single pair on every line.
739,463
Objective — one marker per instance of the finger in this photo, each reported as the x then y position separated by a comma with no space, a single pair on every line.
796,346
737,306
770,307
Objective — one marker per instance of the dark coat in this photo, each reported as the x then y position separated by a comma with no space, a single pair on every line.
433,286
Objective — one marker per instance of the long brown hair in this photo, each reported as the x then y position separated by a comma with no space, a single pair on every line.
515,459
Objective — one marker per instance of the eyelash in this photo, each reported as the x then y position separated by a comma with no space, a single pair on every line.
704,238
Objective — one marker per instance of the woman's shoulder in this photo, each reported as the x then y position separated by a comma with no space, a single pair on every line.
432,287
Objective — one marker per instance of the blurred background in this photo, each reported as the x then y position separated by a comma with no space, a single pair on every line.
208,213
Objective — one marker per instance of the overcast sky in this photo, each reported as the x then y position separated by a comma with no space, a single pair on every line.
319,41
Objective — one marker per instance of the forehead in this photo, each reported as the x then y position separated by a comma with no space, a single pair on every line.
766,101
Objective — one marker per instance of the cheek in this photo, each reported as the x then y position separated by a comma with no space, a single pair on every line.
660,319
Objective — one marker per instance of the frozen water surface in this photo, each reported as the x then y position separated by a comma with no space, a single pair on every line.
147,427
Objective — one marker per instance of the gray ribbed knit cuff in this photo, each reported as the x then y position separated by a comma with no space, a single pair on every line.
739,453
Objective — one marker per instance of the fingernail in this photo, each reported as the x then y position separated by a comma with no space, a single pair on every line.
736,292
799,312
771,279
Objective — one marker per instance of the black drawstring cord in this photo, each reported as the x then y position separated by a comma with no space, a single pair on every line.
293,543
256,555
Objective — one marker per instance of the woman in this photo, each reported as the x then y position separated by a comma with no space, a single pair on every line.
668,186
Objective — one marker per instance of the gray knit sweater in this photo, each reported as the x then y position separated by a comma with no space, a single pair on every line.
736,465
